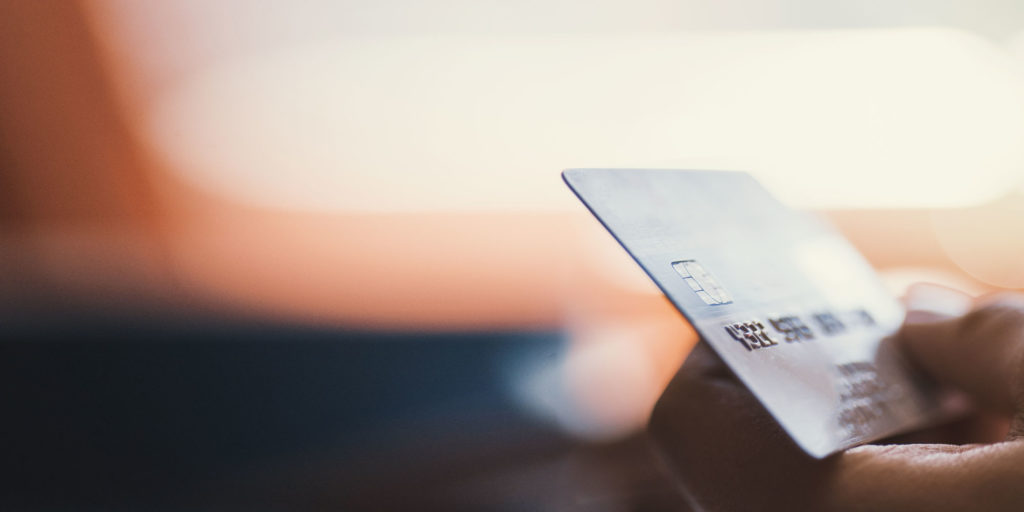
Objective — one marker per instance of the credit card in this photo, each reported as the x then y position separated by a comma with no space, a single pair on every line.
794,310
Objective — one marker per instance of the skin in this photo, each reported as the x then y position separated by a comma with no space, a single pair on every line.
729,454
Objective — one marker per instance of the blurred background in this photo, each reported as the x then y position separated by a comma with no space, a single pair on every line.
319,253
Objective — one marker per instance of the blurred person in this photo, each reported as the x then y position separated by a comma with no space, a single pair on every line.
729,454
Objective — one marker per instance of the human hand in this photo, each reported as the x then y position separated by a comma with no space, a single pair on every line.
728,453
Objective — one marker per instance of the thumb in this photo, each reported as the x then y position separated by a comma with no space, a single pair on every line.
979,353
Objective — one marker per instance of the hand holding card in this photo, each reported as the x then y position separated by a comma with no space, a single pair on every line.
790,307
730,455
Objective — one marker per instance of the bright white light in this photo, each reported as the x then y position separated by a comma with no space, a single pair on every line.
840,118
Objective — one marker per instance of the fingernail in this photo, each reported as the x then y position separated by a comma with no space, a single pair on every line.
937,300
920,316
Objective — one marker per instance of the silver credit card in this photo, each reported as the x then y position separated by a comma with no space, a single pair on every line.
791,306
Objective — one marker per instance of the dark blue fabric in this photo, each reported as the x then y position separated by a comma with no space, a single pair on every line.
111,410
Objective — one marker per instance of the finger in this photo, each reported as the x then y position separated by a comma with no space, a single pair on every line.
934,478
980,427
980,353
727,450
730,454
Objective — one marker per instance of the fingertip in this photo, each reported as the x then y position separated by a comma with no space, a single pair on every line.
930,342
978,352
927,327
932,320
